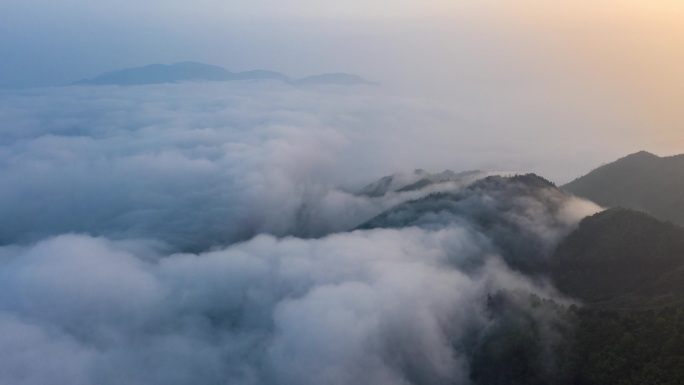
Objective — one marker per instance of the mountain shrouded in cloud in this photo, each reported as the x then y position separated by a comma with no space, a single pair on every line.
203,233
497,207
418,179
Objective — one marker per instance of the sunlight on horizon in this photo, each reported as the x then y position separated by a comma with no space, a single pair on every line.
630,49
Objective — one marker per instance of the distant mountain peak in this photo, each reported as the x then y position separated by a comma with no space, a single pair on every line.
644,153
191,64
187,71
640,155
160,73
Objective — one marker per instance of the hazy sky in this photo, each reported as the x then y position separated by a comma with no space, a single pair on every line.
612,66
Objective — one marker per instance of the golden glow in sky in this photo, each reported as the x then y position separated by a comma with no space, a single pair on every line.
630,50
633,50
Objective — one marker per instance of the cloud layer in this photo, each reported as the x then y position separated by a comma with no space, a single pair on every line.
206,164
376,306
194,165
200,234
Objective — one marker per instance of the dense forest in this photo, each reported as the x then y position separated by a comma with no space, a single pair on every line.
621,258
629,347
627,268
580,346
624,268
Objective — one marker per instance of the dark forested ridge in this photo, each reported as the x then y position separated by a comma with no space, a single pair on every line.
492,206
418,179
627,269
529,342
640,181
628,347
622,258
540,342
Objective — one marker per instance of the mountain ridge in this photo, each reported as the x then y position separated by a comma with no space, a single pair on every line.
481,204
416,180
189,71
640,181
622,258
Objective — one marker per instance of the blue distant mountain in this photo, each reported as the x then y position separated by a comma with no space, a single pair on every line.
193,71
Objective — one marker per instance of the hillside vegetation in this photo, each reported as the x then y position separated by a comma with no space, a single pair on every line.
627,269
622,258
640,181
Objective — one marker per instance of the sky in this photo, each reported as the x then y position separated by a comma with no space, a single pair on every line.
613,65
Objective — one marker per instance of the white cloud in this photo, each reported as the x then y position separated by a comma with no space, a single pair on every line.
149,172
380,306
198,165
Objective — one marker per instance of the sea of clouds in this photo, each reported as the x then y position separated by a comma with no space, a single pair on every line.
197,165
202,233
